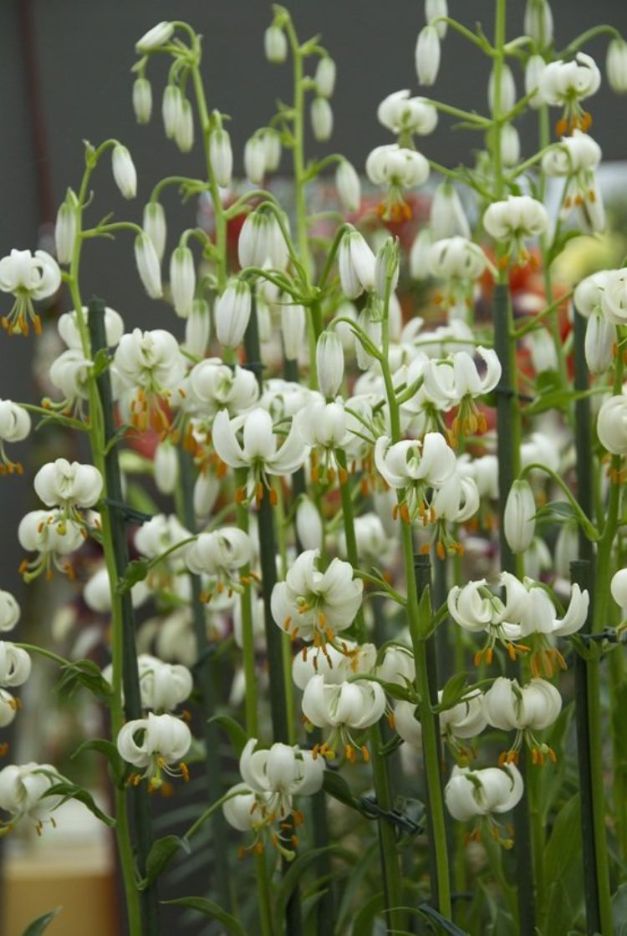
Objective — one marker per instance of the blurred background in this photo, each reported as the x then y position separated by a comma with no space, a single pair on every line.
67,78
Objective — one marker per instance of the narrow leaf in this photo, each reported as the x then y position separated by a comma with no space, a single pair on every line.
211,909
40,924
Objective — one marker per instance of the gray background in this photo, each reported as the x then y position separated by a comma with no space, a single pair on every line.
83,51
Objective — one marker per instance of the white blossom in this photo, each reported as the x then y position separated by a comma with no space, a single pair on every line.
321,115
470,793
148,265
9,611
15,665
124,171
356,264
22,791
29,277
142,100
612,424
153,744
401,113
275,44
155,38
221,156
232,313
68,484
616,65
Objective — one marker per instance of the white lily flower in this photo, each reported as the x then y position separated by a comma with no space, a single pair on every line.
514,220
9,611
97,592
538,23
275,44
397,665
258,451
323,425
465,720
397,167
534,706
343,707
29,277
66,485
217,386
221,156
456,257
456,500
15,665
67,326
51,535
154,744
246,810
66,227
612,288
232,313
280,773
566,82
315,605
150,360
471,793
261,241
589,293
159,535
124,171
22,792
142,100
577,158
428,55
356,264
324,76
374,546
8,708
182,280
219,555
148,265
618,588
163,686
616,65
15,425
70,374
401,113
155,38
336,665
612,425
348,186
321,115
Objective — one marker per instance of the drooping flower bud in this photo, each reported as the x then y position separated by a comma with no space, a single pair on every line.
357,264
348,186
142,100
534,71
171,109
612,425
66,227
324,77
261,241
255,160
275,44
519,517
538,23
309,527
428,55
387,267
293,327
330,364
435,9
197,329
148,265
272,148
154,38
510,145
154,225
232,313
618,588
124,171
166,467
221,156
321,119
599,343
419,255
184,129
448,217
616,65
182,280
508,90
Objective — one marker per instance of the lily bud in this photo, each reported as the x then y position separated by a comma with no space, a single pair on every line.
154,225
309,527
612,425
357,264
166,467
599,343
419,255
171,109
510,145
221,156
261,240
293,326
206,490
508,90
232,313
534,71
538,23
182,280
387,267
618,588
448,217
255,160
428,55
348,186
154,38
275,44
9,611
434,9
330,364
184,130
321,119
124,171
142,100
272,148
197,329
616,65
148,265
519,517
66,227
324,76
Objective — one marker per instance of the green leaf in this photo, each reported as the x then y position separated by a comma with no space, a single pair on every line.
557,512
293,874
236,733
364,920
337,787
40,924
109,750
136,571
211,909
452,692
161,853
68,791
562,871
619,911
445,924
84,673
